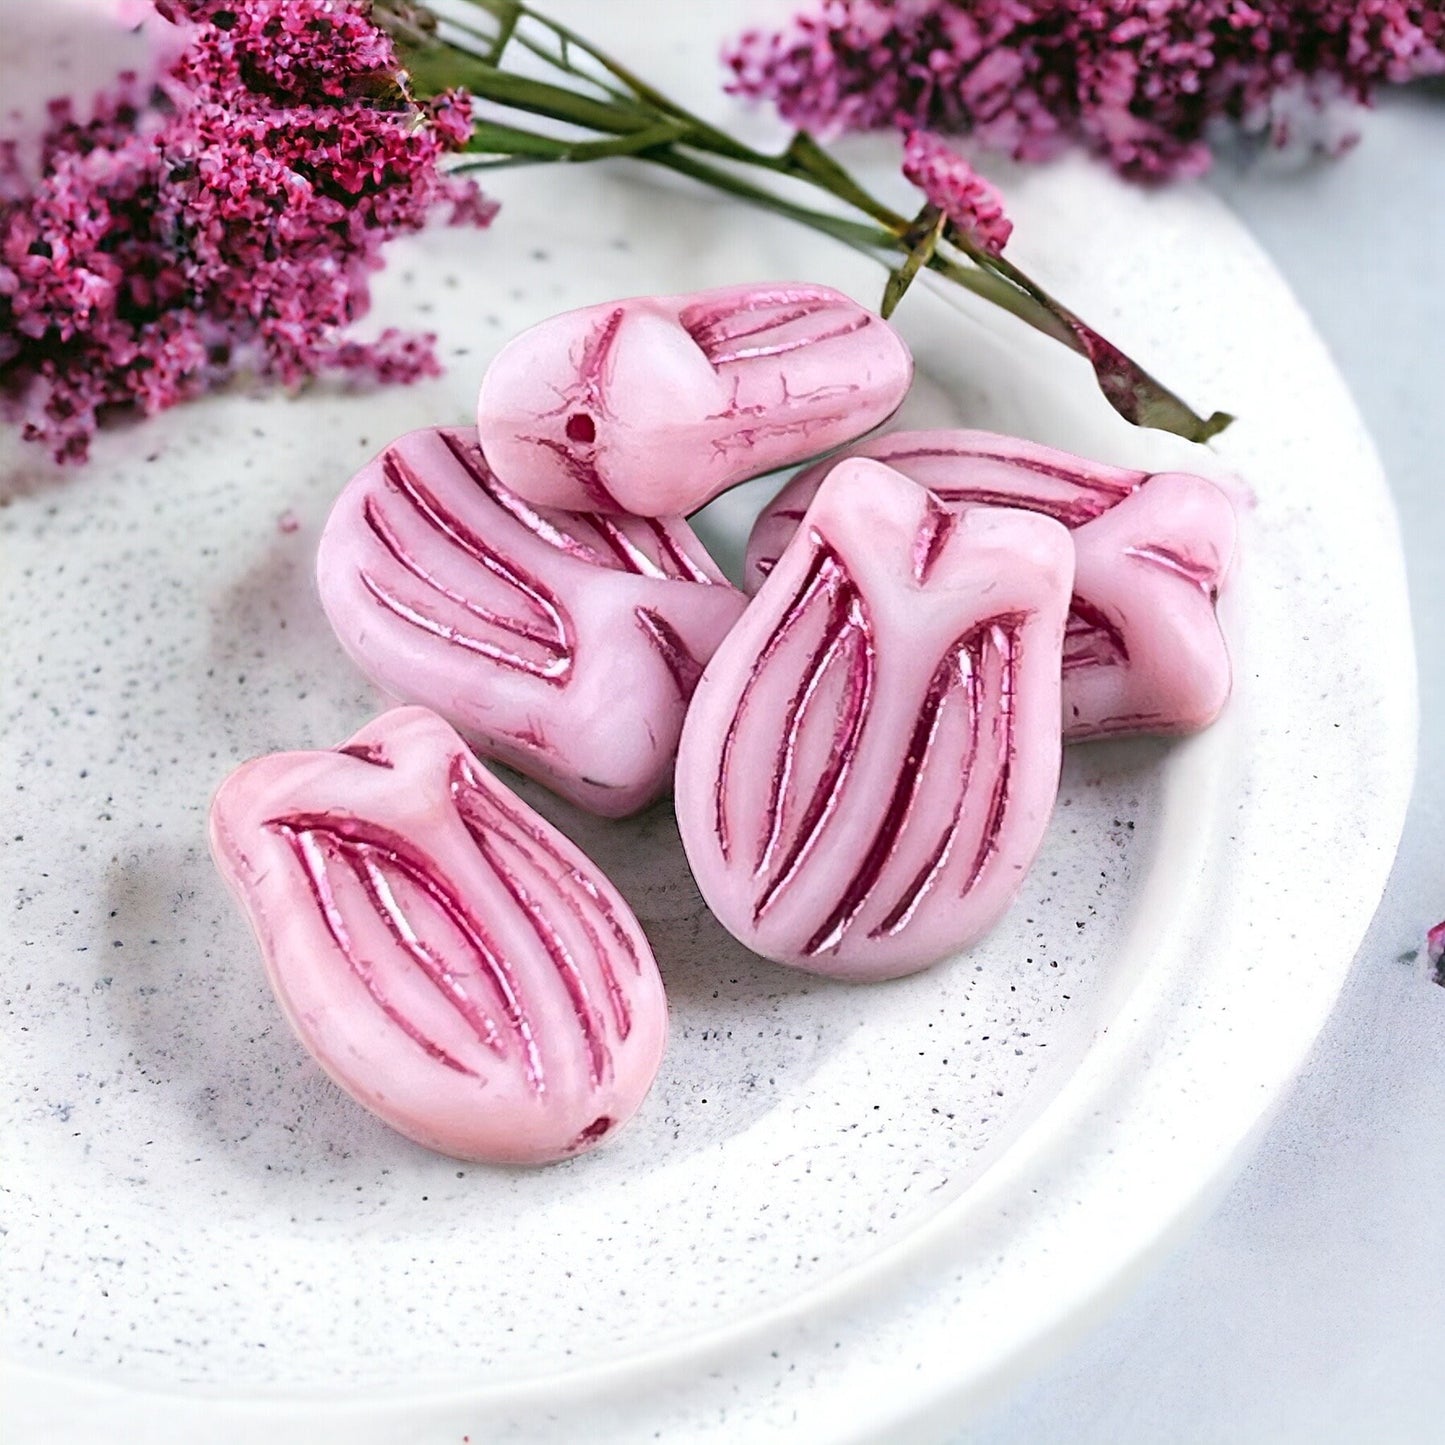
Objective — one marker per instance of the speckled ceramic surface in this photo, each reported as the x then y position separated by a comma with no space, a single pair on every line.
841,1208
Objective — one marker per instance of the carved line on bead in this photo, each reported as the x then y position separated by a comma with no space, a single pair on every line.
554,638
834,638
363,847
859,888
1092,638
965,662
713,332
949,678
848,628
467,792
626,556
1094,495
932,537
401,477
467,797
380,527
1004,635
1202,574
586,399
581,467
707,322
681,665
313,862
1073,512
469,458
673,562
1116,487
677,551
590,367
796,343
825,575
372,753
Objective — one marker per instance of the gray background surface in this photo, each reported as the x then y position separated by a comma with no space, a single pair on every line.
1311,1305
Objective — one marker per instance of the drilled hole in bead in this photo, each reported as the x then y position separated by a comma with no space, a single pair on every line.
581,428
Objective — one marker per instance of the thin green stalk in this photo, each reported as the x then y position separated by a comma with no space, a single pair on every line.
804,160
509,33
861,237
809,162
707,136
996,289
537,97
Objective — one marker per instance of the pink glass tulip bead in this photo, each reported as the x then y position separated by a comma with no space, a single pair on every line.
564,644
656,404
1144,652
448,957
872,755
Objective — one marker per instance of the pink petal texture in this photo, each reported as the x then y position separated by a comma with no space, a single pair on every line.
1144,652
564,644
448,957
872,755
655,404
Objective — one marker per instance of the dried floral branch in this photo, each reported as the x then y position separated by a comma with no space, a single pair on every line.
608,111
1143,83
224,220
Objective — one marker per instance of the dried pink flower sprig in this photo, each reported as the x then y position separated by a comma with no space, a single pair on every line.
1140,82
224,220
952,185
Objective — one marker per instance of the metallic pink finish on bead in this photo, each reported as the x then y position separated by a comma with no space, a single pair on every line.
655,404
872,755
565,644
1151,569
1145,652
449,958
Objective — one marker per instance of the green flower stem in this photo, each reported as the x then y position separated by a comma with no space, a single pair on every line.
703,134
870,239
1003,294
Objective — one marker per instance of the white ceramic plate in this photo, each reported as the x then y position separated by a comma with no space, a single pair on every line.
842,1212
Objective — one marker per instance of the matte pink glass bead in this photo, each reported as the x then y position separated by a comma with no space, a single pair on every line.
1144,650
872,755
564,644
655,404
449,958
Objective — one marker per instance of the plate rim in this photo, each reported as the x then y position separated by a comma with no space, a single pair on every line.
373,1413
367,1413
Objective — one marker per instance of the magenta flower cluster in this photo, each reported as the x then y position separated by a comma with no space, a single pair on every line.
1140,82
224,220
949,182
